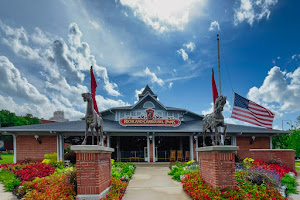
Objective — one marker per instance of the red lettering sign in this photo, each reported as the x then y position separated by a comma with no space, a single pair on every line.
149,122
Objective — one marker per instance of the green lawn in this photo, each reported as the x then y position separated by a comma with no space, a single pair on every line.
6,158
297,165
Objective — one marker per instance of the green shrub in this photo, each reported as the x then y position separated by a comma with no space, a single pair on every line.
179,169
9,180
290,183
122,171
51,159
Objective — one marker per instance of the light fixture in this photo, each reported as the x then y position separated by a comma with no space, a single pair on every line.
195,137
37,138
252,139
150,137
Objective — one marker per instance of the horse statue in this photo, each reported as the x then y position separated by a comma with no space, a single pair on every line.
213,120
92,121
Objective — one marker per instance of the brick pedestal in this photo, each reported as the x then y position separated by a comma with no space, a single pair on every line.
216,165
93,171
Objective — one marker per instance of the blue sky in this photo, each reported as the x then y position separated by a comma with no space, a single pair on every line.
47,47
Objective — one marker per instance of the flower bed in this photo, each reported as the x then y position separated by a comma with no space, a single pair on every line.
281,170
121,173
50,187
196,187
117,189
47,180
179,169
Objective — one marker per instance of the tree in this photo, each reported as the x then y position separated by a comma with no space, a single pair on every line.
8,118
289,141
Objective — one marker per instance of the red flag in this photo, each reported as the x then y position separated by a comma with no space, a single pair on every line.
214,87
93,89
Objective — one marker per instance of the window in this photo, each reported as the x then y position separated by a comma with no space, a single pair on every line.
121,114
176,115
148,104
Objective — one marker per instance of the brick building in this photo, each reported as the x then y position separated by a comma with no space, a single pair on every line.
144,132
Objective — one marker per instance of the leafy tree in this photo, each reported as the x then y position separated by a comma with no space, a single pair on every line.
289,141
8,118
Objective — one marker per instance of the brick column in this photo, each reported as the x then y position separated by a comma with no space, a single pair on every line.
217,165
93,171
151,150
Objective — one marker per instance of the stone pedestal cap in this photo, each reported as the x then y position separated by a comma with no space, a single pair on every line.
91,149
225,148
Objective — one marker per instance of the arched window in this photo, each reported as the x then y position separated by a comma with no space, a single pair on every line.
148,104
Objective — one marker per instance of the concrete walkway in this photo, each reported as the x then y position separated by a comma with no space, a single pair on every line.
154,183
6,195
296,196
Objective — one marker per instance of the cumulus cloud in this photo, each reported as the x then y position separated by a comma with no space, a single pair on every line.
190,46
280,91
183,54
62,68
154,78
13,84
107,103
167,15
59,59
214,26
39,37
253,10
16,88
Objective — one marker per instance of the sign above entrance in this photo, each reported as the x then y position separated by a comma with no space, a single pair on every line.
149,120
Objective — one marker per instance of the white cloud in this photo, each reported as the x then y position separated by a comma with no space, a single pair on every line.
137,92
158,67
94,25
167,15
154,78
16,88
39,37
170,84
62,68
253,10
13,84
60,60
295,56
214,26
183,54
279,92
106,103
190,46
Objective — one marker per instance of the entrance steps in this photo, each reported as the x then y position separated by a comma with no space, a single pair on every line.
156,164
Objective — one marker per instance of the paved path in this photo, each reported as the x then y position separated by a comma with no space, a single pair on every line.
296,196
6,195
154,183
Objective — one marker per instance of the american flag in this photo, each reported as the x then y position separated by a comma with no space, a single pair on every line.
248,111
